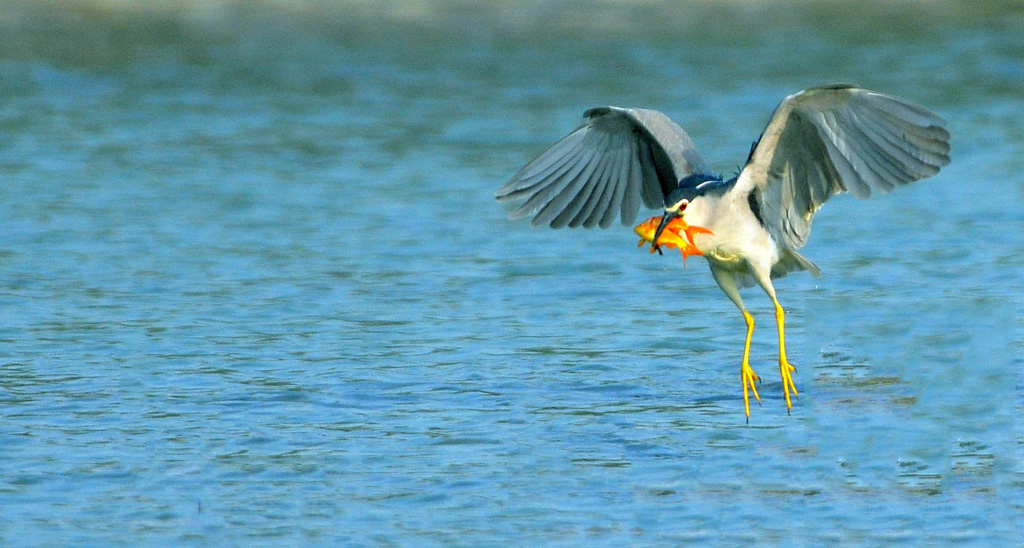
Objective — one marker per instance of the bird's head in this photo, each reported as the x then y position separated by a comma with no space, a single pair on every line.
675,205
672,211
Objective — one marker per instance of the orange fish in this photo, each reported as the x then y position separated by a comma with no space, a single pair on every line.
677,234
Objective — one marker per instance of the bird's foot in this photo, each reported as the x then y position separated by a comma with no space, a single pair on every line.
749,377
787,371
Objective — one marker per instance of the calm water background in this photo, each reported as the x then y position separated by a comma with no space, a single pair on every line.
255,290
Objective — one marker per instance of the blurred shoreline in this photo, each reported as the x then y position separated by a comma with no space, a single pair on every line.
598,14
107,31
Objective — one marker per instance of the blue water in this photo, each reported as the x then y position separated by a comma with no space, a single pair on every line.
255,290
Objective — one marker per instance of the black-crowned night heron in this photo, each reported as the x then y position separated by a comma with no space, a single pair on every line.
818,143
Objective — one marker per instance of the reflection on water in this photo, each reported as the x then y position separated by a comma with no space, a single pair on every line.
254,286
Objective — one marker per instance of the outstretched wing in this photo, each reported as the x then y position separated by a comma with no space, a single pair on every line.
617,159
831,139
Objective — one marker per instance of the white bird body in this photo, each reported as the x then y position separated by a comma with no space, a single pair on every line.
737,241
819,142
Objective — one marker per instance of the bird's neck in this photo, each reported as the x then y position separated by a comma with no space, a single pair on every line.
700,211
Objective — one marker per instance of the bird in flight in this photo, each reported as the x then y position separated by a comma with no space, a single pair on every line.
818,143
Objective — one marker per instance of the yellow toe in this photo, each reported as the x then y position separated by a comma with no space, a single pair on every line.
749,377
787,381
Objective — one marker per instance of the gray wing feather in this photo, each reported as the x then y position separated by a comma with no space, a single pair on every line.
608,190
634,184
545,184
617,160
597,190
831,139
650,194
574,209
567,186
614,174
564,209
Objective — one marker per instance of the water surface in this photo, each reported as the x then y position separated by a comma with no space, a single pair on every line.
255,290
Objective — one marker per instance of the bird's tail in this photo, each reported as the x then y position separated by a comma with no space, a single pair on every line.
790,261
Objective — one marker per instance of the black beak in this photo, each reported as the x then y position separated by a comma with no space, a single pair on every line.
665,220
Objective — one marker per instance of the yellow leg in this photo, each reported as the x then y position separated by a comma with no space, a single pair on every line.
784,367
747,374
